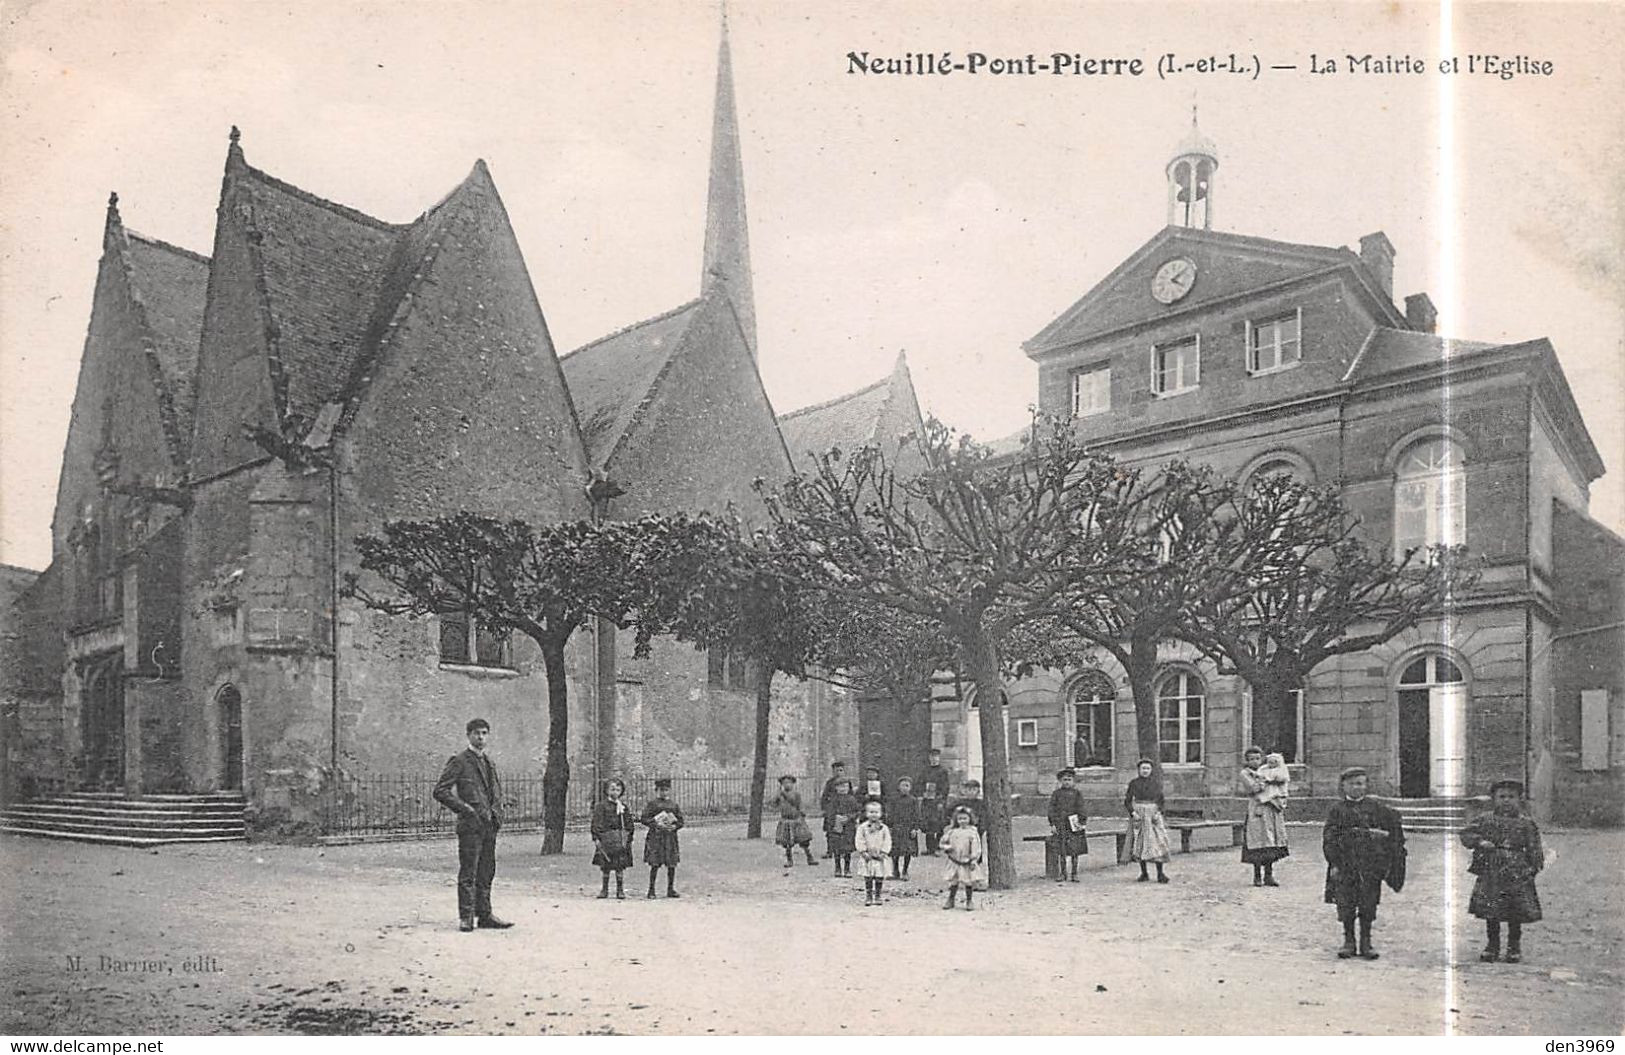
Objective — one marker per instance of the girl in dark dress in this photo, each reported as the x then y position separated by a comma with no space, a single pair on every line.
612,828
840,825
1066,820
903,815
663,817
792,830
1506,855
1148,832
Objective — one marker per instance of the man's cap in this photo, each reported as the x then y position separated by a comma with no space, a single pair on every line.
662,782
1067,772
1514,785
1351,772
477,723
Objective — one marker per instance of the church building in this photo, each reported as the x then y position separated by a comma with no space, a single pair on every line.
241,417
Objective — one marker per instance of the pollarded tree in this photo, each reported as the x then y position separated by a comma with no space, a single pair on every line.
974,544
1180,545
736,601
1316,590
882,652
543,582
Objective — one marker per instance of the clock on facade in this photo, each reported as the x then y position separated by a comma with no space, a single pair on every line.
1173,280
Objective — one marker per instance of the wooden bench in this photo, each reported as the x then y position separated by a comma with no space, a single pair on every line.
1186,830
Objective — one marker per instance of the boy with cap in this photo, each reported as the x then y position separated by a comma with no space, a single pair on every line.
1364,845
1066,820
934,787
663,817
1506,855
837,773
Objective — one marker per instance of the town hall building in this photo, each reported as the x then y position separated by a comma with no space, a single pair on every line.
1253,356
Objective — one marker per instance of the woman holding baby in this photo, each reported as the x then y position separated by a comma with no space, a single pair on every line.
1263,841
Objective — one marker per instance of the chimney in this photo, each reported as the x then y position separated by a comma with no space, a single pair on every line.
1420,313
1377,253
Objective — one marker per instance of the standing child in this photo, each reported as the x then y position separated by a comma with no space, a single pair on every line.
837,773
873,843
840,818
1066,820
1506,855
933,815
962,845
903,814
663,817
612,829
872,788
1364,844
1148,832
970,798
793,830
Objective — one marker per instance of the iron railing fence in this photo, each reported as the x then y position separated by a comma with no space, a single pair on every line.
403,804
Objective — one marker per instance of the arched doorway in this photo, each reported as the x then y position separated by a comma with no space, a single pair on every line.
101,716
1432,728
231,738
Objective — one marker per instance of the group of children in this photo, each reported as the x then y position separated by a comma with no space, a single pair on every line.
613,826
1363,842
885,830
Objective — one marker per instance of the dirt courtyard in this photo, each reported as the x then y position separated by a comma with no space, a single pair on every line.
253,938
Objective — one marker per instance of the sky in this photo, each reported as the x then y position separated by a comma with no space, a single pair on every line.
950,217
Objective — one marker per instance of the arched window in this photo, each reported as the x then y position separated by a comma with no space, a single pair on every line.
1089,719
1179,717
1430,496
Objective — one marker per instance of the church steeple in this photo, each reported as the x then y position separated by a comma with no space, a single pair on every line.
727,241
1190,180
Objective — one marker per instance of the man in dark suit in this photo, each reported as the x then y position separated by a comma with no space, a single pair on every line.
469,786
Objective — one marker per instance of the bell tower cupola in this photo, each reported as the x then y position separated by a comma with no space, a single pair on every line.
1190,180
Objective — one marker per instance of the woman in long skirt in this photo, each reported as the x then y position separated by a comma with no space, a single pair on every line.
1148,832
1263,839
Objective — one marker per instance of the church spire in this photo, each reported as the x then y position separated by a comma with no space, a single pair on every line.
727,241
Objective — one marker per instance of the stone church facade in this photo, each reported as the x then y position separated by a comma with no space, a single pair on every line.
242,417
1255,355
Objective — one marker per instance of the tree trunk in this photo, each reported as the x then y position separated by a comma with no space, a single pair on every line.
1274,716
604,693
1141,665
556,777
758,773
981,657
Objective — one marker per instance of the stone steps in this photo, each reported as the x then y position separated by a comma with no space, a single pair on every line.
130,820
1435,815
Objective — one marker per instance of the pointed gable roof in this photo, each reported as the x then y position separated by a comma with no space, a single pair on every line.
1227,265
854,420
171,285
334,283
613,379
321,267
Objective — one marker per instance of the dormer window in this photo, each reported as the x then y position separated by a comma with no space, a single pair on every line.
1274,344
1091,391
1176,367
